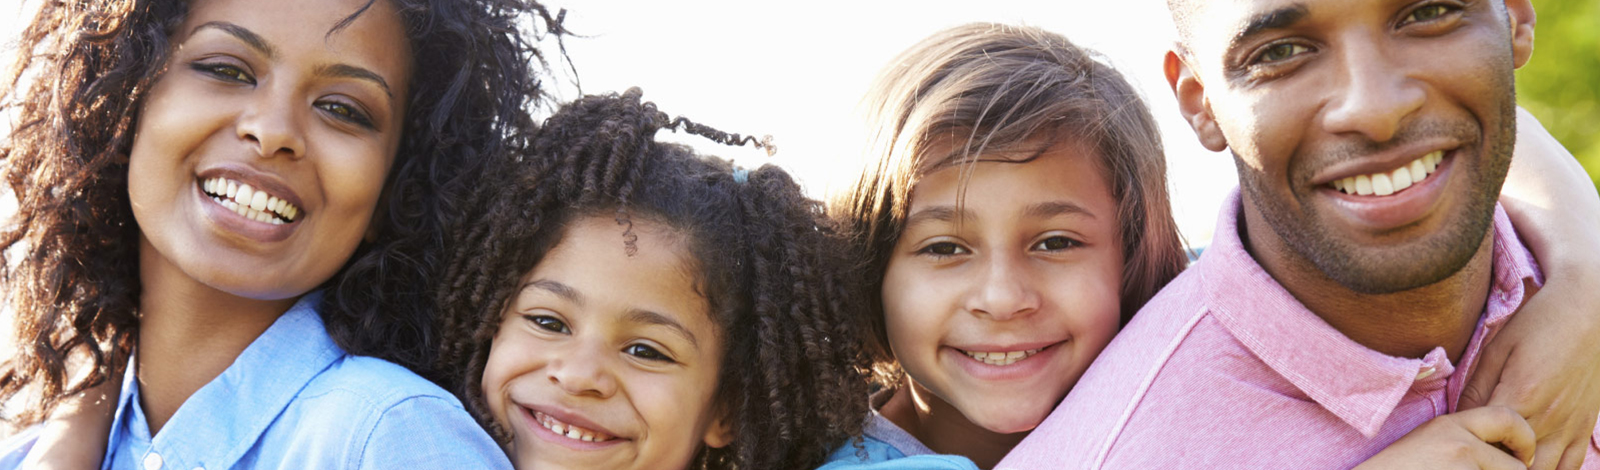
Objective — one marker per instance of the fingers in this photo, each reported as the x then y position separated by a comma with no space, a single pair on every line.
1500,425
1572,459
1480,386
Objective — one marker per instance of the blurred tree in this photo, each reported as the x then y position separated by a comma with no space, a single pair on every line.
1561,83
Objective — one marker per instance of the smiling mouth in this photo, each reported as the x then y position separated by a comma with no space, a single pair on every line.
570,431
1388,183
1001,358
251,203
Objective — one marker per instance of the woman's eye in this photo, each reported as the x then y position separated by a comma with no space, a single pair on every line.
345,112
943,249
647,353
1057,244
1279,52
548,323
224,71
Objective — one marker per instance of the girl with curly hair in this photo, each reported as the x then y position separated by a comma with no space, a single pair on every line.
220,206
616,302
1013,217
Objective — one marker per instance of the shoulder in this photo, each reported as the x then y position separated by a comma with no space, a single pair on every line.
874,454
396,418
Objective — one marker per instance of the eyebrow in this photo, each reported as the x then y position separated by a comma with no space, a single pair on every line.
1045,210
351,71
1267,21
250,38
938,213
560,290
652,318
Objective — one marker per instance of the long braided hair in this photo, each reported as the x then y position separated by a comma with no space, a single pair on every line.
70,254
793,378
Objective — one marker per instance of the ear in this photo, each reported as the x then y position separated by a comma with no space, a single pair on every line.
1191,95
1522,19
720,433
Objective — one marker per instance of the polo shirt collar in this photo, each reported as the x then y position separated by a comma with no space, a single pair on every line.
1360,386
223,419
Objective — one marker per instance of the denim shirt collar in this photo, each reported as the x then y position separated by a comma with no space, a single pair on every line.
217,425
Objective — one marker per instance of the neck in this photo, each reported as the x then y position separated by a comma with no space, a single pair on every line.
943,428
1403,324
189,333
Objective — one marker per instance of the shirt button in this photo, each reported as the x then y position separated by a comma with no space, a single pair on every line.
152,461
1425,372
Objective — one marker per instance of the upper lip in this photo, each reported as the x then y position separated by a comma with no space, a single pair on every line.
259,180
1379,163
1008,347
573,418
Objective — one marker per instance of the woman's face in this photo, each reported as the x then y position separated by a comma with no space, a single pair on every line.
1005,285
271,98
605,360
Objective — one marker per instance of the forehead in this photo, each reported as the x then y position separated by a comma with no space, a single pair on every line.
310,31
1067,171
592,257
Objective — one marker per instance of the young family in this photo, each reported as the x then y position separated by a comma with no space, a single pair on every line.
329,234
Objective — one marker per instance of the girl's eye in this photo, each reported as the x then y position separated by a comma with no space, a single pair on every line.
345,112
224,71
1057,244
942,249
548,323
1280,52
647,353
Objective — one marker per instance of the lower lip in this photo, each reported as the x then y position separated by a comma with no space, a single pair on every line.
1399,209
1028,367
546,434
235,223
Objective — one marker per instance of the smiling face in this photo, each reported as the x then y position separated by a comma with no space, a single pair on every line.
261,151
605,360
996,303
1372,136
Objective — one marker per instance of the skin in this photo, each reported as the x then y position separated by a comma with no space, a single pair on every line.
253,91
613,343
1349,87
1007,268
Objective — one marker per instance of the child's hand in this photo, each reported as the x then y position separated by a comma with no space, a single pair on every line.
74,438
1543,364
1474,439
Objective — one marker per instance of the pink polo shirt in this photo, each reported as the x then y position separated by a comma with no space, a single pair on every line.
1225,369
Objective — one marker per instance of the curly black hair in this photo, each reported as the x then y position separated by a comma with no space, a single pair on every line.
793,378
70,253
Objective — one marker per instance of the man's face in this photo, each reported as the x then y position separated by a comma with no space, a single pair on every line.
1371,135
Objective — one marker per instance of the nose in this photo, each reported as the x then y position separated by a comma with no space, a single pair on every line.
273,125
1376,96
583,373
1005,290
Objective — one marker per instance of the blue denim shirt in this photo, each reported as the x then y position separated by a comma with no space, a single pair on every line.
295,400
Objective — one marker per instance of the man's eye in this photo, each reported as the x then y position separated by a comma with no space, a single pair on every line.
548,323
647,353
1057,244
943,249
1279,52
1427,13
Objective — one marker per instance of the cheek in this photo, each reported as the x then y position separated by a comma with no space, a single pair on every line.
912,307
510,359
677,408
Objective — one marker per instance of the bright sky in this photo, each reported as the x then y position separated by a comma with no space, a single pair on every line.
796,70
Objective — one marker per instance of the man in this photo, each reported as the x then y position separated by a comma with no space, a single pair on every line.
1339,307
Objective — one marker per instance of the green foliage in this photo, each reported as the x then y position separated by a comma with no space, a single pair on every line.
1561,83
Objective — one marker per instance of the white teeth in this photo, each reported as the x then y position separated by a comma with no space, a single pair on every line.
252,203
569,431
1381,185
1002,358
1387,183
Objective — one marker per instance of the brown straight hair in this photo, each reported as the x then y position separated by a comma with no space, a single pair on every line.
981,90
